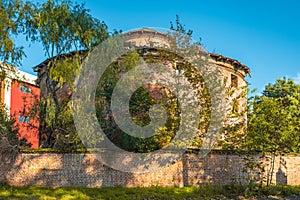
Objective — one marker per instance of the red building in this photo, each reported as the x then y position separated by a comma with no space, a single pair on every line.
21,96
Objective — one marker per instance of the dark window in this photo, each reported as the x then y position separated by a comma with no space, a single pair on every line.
25,89
234,81
24,119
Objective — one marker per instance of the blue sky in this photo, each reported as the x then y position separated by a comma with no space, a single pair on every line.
262,34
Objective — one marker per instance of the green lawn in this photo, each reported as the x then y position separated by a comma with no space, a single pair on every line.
202,192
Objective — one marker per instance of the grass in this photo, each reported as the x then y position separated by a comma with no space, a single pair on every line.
200,192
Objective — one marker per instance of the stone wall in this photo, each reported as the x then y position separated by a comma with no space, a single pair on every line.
56,170
286,169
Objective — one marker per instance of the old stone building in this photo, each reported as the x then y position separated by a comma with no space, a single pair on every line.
232,71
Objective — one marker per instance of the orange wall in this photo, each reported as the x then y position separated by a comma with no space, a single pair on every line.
21,105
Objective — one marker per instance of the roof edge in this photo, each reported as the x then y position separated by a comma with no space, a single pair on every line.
235,63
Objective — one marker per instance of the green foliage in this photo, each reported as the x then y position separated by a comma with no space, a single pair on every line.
141,101
67,33
9,135
139,106
63,72
12,14
62,26
58,151
273,124
274,118
233,134
201,192
60,131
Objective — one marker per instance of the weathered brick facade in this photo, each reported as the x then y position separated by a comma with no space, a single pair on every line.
56,170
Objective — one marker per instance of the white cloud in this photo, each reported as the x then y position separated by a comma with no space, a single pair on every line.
297,78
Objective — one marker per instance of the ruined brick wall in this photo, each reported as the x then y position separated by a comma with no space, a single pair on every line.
56,170
286,169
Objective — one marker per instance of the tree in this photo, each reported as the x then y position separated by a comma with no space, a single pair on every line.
10,143
186,70
274,118
13,15
67,33
11,19
139,105
274,121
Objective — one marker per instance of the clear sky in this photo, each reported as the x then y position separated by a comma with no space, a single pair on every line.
262,34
